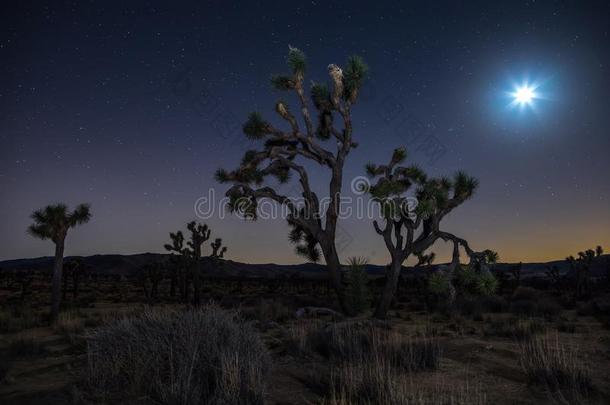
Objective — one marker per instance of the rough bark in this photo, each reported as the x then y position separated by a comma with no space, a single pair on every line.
389,289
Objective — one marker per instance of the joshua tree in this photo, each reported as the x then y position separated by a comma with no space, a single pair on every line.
284,151
423,258
411,231
199,234
217,249
180,256
152,273
53,222
579,267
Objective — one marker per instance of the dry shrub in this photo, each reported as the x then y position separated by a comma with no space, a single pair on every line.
357,342
370,364
70,325
299,335
376,382
557,367
204,355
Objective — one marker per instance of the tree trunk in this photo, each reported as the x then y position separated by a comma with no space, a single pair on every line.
391,282
196,280
334,272
56,282
64,289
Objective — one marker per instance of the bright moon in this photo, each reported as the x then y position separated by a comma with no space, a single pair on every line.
524,95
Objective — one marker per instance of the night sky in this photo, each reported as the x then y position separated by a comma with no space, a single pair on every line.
132,108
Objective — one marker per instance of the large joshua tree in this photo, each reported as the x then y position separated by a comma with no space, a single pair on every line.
284,151
53,222
409,230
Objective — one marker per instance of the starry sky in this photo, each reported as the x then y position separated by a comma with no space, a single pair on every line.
131,106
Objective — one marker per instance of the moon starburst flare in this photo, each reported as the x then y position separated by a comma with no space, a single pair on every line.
524,95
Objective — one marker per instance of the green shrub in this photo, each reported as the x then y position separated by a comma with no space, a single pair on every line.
486,284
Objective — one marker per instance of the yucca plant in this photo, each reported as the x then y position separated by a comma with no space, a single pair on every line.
486,284
438,284
53,222
357,295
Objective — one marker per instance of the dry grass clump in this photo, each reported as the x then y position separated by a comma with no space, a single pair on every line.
70,325
375,382
355,342
203,355
557,367
368,364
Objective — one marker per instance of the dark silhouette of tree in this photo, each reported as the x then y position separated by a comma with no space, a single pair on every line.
179,264
284,151
53,222
200,233
217,249
191,256
151,275
579,271
412,230
425,259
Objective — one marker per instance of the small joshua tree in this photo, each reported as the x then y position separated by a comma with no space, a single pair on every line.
151,275
217,249
53,222
411,231
200,233
179,264
425,259
579,267
284,152
191,255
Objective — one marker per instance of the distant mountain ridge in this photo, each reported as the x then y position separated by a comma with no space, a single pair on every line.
128,264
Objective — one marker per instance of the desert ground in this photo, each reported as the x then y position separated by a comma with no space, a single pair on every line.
475,352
